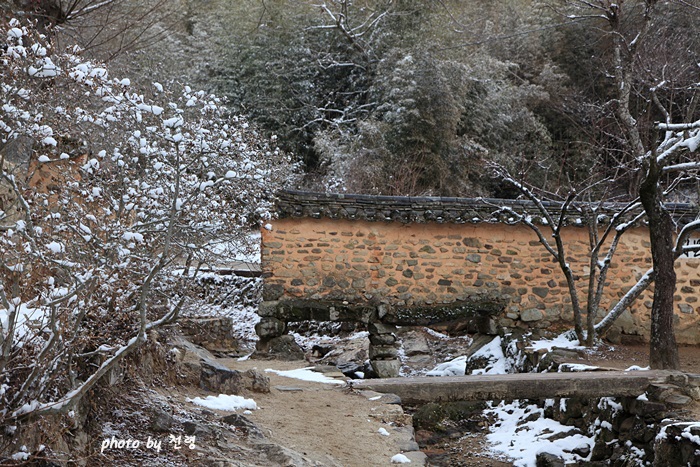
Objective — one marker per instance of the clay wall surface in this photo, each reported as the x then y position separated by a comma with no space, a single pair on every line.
433,263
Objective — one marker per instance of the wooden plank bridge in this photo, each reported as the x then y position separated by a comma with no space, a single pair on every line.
588,384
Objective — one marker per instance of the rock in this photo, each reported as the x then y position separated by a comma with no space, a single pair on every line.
382,339
531,314
545,459
676,401
288,389
677,447
244,424
646,408
417,458
270,327
279,455
390,399
407,445
256,381
217,378
282,347
614,336
350,368
386,368
582,450
383,352
381,328
414,343
320,351
601,450
192,428
421,361
161,421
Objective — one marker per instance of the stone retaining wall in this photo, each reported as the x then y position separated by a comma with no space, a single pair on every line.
412,270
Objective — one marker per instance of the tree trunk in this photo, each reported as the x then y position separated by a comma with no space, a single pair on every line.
664,350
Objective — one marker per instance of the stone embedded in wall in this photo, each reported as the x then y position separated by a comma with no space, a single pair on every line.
531,314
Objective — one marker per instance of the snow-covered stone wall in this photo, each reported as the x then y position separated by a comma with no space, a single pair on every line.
415,259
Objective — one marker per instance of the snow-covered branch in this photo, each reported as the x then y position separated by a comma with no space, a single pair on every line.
123,186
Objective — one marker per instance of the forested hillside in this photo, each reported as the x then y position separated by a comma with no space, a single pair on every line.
404,97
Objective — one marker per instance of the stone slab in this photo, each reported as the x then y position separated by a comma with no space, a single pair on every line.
419,390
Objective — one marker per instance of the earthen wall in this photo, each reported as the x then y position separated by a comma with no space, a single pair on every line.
433,263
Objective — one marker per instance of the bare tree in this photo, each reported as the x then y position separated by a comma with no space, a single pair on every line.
606,224
660,164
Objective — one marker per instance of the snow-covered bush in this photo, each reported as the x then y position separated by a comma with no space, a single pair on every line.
121,186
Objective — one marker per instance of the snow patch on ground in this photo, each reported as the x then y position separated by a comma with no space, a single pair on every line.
306,374
519,434
400,459
225,402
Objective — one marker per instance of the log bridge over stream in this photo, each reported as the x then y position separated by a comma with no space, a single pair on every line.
587,384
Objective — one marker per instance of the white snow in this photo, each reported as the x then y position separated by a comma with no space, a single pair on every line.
244,357
15,33
132,236
561,341
359,335
686,433
497,360
638,368
382,431
576,367
225,402
455,367
306,374
56,247
521,440
49,141
400,459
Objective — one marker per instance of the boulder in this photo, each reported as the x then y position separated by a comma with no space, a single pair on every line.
282,347
243,424
386,368
217,378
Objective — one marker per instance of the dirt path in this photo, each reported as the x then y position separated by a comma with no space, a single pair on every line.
328,423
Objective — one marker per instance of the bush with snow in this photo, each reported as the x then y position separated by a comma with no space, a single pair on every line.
122,186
